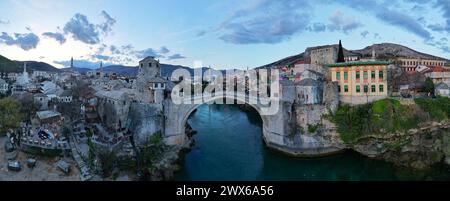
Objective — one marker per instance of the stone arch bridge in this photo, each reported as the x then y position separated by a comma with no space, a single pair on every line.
274,126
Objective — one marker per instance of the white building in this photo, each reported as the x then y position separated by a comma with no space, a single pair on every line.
4,86
66,96
49,87
40,74
442,89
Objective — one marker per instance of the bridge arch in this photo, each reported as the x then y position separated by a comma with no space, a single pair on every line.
178,114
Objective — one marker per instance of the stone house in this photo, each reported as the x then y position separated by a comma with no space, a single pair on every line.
41,100
113,107
309,91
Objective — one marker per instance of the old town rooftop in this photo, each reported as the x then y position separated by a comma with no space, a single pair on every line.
359,63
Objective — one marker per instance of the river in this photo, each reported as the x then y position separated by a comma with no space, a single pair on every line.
229,146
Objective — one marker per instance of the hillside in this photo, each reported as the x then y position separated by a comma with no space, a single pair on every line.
7,65
38,66
383,50
390,50
166,69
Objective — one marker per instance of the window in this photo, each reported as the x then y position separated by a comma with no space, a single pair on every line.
380,74
346,75
381,88
150,64
339,88
372,74
358,75
142,65
373,88
346,88
338,75
365,75
358,88
366,89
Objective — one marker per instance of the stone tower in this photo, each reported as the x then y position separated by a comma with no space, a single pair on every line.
149,84
149,67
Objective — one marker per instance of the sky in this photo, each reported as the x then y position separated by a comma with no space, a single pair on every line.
219,33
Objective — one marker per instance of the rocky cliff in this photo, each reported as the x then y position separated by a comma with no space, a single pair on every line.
417,148
145,120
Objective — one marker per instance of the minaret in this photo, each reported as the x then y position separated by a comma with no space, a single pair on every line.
374,57
24,67
72,70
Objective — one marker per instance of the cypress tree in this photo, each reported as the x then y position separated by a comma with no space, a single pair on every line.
340,58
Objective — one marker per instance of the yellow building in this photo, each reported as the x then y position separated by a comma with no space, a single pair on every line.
360,82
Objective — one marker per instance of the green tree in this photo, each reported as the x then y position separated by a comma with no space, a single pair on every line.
10,116
429,85
340,58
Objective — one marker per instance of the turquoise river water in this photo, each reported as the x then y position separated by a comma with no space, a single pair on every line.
229,146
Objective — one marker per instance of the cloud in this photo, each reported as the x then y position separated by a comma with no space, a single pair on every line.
176,56
82,30
376,36
364,33
4,21
318,27
338,22
147,52
101,57
57,36
417,1
403,21
106,27
114,49
266,22
164,50
444,5
383,12
441,44
26,41
201,33
437,27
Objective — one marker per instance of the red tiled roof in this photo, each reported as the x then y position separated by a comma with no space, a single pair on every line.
438,69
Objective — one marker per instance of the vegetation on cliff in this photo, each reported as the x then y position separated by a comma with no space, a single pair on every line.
377,118
405,133
438,108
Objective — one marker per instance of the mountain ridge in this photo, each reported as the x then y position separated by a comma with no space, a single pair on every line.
383,50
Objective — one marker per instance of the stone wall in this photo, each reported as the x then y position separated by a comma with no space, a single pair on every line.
145,120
